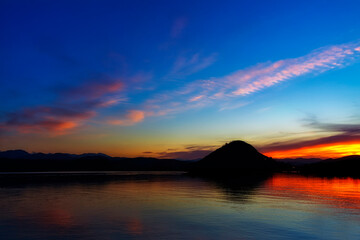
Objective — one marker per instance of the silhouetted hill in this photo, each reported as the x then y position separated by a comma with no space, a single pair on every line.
344,166
19,160
236,156
21,154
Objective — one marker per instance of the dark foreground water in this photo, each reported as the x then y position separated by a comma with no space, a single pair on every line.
139,205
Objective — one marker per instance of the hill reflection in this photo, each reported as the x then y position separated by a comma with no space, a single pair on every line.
239,188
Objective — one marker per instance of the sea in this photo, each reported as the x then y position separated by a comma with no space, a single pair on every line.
175,205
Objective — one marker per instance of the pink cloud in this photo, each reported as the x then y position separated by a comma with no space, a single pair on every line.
131,118
136,115
196,98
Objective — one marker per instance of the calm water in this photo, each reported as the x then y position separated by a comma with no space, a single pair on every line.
127,205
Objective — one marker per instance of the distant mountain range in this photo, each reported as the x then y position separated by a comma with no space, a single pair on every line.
236,157
19,160
21,154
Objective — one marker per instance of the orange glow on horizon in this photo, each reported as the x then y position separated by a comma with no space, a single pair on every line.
333,150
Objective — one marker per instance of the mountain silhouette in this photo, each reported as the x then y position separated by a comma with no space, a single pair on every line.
236,156
22,161
13,154
21,154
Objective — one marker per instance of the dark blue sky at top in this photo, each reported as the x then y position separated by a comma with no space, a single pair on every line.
49,45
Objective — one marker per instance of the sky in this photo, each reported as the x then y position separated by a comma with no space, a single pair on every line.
178,79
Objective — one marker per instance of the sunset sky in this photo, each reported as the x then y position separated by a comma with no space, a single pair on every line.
178,79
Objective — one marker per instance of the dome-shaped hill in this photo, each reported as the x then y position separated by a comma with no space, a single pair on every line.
236,156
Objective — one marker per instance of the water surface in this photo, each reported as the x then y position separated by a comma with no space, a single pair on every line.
163,205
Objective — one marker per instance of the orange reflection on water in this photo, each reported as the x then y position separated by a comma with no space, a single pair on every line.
134,226
341,192
58,217
54,218
322,151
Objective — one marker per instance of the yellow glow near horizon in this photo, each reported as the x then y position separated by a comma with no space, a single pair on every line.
319,151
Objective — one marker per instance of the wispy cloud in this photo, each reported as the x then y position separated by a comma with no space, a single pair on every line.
185,66
254,79
333,127
223,91
131,118
316,62
196,98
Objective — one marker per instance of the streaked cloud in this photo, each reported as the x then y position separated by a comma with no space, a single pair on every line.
225,91
316,62
196,98
187,65
265,75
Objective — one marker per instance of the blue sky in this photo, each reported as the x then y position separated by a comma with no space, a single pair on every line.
129,77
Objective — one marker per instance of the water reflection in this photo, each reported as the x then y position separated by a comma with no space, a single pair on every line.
338,192
239,188
176,206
